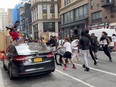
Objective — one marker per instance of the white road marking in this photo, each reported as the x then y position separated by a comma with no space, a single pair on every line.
106,72
1,79
87,84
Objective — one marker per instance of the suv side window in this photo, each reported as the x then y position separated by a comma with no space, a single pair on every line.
11,49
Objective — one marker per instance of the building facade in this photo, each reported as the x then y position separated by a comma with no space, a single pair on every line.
16,14
74,17
16,11
10,17
3,19
25,18
45,16
102,13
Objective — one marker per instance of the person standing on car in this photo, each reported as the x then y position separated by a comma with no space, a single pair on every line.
94,45
84,44
104,40
67,54
52,44
90,47
74,45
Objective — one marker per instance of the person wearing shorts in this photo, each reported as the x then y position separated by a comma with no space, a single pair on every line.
67,54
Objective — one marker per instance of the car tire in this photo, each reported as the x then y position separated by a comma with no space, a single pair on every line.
10,73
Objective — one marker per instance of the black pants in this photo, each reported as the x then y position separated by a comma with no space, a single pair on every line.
106,51
91,53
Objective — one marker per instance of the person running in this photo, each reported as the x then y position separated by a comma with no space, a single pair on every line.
67,54
74,45
104,40
84,44
94,45
90,47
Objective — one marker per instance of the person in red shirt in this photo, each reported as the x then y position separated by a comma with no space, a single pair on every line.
13,32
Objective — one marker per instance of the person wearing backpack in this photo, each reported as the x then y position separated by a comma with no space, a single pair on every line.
104,40
94,45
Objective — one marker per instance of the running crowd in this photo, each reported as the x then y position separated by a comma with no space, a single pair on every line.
87,43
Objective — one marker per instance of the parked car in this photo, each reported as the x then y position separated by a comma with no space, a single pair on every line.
26,60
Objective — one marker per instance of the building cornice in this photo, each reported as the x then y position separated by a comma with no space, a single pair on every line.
45,2
46,20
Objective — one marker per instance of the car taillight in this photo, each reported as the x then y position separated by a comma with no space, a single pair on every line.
50,55
20,58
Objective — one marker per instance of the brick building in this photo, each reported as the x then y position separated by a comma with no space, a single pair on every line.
102,13
78,15
74,16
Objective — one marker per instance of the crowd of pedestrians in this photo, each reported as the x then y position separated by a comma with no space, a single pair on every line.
88,44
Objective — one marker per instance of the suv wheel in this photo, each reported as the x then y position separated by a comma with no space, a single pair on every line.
10,73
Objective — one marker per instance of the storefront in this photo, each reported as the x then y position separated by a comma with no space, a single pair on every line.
75,28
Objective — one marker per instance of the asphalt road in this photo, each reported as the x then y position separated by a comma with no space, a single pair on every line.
102,75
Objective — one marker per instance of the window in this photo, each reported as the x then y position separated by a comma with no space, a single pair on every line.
44,7
81,12
52,15
52,8
62,19
108,1
44,15
72,16
66,2
96,15
113,9
49,26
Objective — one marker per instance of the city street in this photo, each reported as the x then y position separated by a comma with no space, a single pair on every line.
102,75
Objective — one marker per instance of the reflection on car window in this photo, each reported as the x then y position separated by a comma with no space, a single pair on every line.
23,50
41,48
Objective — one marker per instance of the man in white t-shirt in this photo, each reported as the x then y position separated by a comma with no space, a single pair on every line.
67,54
74,46
60,42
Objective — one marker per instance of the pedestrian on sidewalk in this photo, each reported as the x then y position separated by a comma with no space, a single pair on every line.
67,54
104,40
84,44
74,45
90,47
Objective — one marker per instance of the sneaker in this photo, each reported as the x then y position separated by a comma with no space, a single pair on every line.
65,68
97,60
95,63
83,66
110,60
87,69
74,67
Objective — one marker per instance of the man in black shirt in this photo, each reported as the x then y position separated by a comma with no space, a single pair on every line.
90,47
84,44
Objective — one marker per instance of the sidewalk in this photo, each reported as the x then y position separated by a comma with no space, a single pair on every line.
1,78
